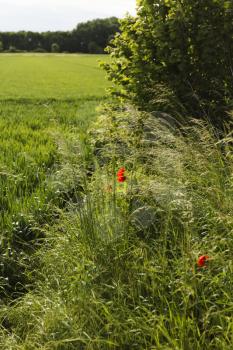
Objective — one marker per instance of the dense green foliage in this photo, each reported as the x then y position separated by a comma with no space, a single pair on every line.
179,51
89,37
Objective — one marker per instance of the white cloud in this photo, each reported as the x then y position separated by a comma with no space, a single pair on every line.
40,15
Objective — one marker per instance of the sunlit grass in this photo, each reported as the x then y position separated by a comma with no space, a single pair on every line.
118,270
31,187
51,76
88,262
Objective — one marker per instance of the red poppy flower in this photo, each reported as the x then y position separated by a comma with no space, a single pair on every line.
121,178
121,171
121,175
201,262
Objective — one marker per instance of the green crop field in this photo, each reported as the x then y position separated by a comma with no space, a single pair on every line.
44,101
43,76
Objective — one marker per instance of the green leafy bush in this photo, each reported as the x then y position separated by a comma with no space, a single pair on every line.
180,48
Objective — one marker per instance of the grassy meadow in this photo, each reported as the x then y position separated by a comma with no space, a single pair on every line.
90,263
49,76
44,100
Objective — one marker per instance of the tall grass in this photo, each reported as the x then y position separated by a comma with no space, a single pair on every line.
119,269
31,185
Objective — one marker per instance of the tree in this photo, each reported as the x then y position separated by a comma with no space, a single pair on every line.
55,48
92,36
183,47
12,49
97,32
93,47
1,46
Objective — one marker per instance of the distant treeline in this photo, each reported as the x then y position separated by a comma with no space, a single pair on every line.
89,37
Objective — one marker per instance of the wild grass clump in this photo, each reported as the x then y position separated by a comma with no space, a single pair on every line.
119,269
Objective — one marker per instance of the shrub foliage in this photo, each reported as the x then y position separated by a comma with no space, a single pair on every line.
181,47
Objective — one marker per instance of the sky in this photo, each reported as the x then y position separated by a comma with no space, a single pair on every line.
43,15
